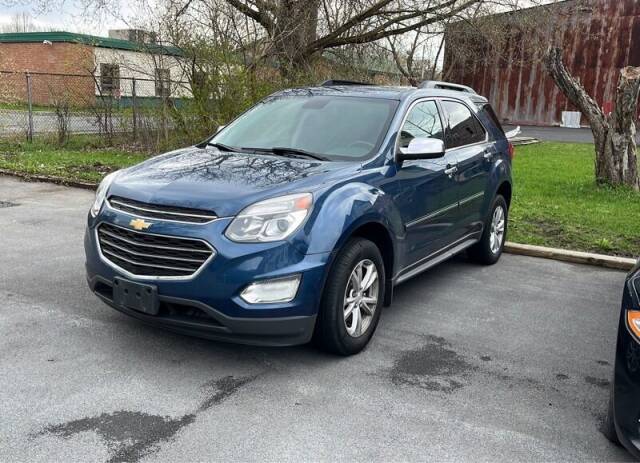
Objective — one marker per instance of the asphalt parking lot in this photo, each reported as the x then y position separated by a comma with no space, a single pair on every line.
501,363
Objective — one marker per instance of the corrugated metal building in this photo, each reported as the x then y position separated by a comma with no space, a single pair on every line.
599,37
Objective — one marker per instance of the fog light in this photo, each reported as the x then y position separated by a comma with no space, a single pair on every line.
269,291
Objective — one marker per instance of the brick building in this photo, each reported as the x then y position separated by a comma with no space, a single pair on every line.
82,67
598,38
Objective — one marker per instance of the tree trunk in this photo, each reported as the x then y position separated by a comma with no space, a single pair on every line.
619,163
296,25
614,134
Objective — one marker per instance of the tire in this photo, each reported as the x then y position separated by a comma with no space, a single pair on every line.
334,332
608,425
484,251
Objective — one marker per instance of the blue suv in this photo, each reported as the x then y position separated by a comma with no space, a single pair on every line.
295,221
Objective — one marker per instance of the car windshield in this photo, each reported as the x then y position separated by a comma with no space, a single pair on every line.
336,127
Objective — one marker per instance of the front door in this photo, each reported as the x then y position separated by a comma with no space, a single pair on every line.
425,190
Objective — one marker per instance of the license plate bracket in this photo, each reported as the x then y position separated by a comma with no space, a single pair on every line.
136,296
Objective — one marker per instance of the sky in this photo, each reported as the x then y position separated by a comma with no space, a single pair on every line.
67,16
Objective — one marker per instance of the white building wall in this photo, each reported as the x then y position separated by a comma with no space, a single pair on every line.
142,67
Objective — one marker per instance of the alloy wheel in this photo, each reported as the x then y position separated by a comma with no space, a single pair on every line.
361,298
496,235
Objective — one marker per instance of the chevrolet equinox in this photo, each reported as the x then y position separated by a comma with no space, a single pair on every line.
296,220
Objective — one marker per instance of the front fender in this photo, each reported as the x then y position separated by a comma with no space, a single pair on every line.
343,210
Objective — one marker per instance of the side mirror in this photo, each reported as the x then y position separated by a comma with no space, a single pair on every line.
422,148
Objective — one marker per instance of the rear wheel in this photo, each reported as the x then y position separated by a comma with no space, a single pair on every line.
352,299
489,249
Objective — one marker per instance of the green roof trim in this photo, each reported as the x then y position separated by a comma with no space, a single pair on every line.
92,40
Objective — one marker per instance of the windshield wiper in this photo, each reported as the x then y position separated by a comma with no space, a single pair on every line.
298,152
223,147
290,152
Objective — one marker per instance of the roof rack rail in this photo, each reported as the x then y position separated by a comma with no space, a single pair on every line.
334,82
446,86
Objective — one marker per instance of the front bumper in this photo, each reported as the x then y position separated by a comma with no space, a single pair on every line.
626,385
194,318
208,304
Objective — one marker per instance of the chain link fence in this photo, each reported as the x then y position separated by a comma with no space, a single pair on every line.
61,105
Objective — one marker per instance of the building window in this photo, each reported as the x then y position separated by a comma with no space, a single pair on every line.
110,79
163,84
199,83
198,79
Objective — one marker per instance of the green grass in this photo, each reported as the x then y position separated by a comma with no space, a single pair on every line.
557,203
83,158
555,200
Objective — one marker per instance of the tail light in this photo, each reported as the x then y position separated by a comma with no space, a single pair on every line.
511,151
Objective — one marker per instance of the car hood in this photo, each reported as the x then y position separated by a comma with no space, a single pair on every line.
223,182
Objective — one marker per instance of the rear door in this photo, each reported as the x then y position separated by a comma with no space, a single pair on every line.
468,141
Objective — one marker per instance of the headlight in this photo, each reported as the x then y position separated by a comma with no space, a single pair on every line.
101,193
271,220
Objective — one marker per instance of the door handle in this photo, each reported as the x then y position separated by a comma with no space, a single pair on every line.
451,169
488,155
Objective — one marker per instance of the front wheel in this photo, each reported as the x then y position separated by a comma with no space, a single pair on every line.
489,249
352,299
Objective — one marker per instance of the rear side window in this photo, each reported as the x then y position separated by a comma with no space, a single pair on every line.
463,127
492,115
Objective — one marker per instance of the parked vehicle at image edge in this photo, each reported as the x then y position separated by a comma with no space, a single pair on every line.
622,424
297,219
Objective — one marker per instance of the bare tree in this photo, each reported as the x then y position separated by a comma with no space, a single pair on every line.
20,22
614,133
300,30
294,33
405,58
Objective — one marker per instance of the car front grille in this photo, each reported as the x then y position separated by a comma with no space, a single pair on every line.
155,211
147,254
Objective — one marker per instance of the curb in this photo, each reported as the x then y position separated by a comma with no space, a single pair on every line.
520,141
576,257
46,178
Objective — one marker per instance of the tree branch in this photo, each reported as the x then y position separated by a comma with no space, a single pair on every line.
357,19
259,15
574,90
386,29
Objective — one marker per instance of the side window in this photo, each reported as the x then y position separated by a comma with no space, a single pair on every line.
488,110
422,121
464,128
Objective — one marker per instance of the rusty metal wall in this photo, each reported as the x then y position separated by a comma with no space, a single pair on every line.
598,37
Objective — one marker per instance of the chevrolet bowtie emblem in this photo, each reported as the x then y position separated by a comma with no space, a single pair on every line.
139,224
